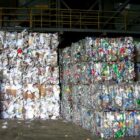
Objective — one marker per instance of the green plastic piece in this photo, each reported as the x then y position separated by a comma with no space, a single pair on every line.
120,133
28,51
138,101
115,68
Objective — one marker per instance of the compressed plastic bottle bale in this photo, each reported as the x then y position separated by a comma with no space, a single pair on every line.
35,40
56,92
106,98
10,40
118,101
81,73
96,71
66,90
77,52
47,74
86,97
43,110
107,131
136,123
67,72
43,39
87,118
51,58
18,104
54,40
48,39
112,95
10,110
128,97
91,48
54,71
117,69
24,64
3,108
111,49
82,51
66,55
49,98
5,62
128,69
37,109
97,99
76,114
29,108
130,123
46,91
76,73
66,111
97,44
105,49
98,123
103,46
86,73
77,91
56,111
130,47
31,39
74,54
125,48
94,90
105,73
121,49
19,109
119,126
53,108
88,49
137,95
22,39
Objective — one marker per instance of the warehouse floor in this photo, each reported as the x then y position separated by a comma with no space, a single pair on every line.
44,130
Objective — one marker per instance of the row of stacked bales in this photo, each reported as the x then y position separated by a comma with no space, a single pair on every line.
98,92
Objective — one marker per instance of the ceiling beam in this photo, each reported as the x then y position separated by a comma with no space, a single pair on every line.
93,5
65,4
121,8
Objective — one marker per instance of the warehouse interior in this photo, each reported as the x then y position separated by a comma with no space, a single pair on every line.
69,69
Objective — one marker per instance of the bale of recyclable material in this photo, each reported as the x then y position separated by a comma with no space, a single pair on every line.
98,89
30,75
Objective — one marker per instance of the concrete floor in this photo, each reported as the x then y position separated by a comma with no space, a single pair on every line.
44,130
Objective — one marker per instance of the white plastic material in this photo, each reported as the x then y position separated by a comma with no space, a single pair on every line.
30,75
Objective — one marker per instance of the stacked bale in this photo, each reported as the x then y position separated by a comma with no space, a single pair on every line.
88,68
30,82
